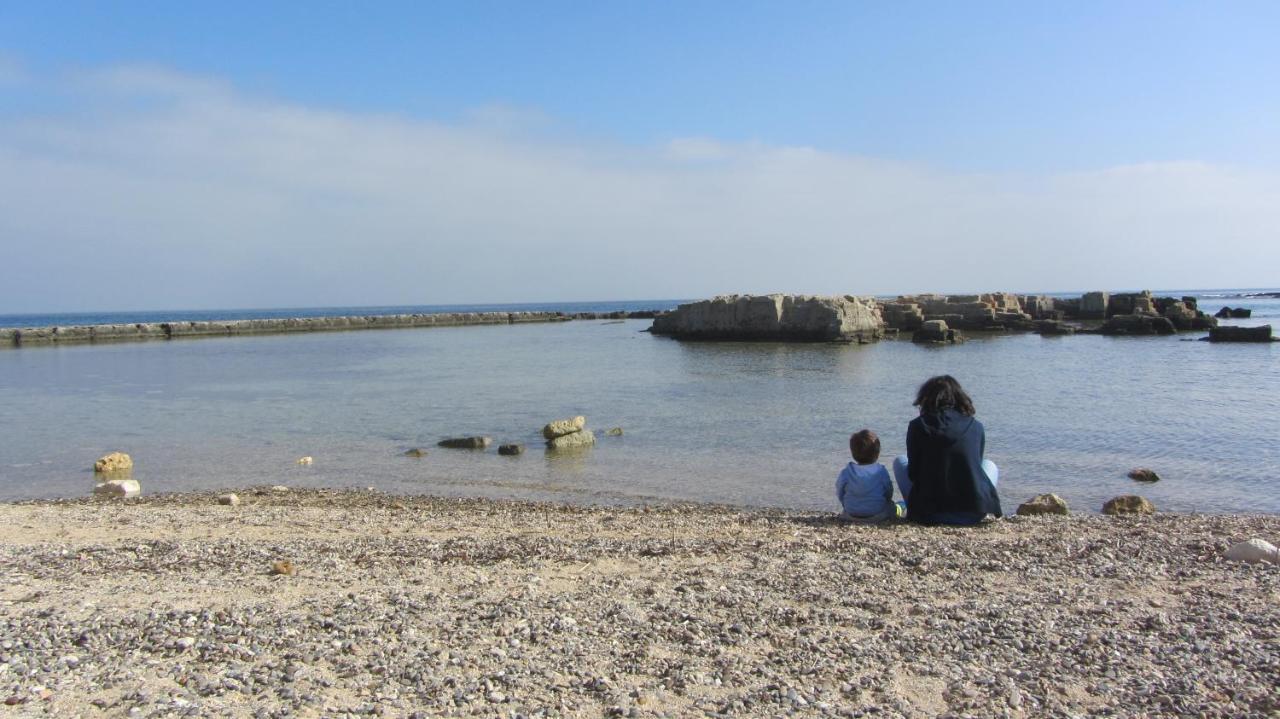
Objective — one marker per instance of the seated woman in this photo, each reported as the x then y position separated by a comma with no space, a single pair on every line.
943,476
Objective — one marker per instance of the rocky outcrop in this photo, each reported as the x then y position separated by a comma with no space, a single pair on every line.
1239,313
568,433
113,463
800,318
1241,334
1043,504
1128,504
989,311
1054,328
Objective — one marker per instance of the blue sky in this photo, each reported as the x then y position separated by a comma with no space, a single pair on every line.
966,107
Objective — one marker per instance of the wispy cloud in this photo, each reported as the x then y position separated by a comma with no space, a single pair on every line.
162,190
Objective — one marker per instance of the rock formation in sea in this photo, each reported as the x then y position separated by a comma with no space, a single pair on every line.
797,318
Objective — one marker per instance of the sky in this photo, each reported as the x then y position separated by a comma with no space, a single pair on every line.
159,155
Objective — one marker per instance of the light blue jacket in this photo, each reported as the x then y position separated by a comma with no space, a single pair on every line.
865,490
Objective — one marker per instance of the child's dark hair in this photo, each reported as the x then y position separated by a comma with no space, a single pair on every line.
943,392
864,445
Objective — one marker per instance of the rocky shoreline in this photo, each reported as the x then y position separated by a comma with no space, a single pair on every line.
77,334
354,603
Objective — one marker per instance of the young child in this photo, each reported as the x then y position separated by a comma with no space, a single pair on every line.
864,488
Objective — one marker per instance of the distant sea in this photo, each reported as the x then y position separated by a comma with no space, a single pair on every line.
759,424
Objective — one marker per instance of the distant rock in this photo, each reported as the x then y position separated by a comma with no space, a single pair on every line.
1240,334
511,449
229,500
1240,313
118,488
466,442
1051,328
1224,313
1128,504
573,440
415,452
614,432
1254,550
112,463
562,427
1043,504
1142,474
787,318
305,461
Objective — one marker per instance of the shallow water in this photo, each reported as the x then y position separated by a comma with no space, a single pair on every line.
752,424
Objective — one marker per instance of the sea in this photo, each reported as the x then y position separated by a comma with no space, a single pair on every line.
744,424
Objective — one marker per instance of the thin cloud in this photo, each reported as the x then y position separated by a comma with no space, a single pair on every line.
165,190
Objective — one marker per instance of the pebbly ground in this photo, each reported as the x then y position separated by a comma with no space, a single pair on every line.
166,606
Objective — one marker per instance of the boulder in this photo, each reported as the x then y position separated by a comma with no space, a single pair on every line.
1253,550
1224,313
561,427
118,488
1043,504
789,318
1142,474
615,432
1128,504
511,449
229,500
937,332
1137,325
466,442
1240,334
573,440
113,463
1240,313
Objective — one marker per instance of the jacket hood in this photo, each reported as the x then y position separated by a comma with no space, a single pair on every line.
947,426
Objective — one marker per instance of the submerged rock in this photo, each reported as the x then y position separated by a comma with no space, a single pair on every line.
113,463
511,449
615,432
1142,474
466,442
793,318
1128,504
305,461
1137,325
936,332
562,427
1043,504
415,452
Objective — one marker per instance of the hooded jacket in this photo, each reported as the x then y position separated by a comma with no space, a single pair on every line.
944,462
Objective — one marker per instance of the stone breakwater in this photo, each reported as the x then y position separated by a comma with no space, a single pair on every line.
933,317
17,337
321,603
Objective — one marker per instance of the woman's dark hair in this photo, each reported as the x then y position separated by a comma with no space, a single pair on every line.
943,392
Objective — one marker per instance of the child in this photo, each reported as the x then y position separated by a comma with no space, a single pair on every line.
863,488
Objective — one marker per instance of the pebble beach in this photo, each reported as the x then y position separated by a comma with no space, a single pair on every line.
352,603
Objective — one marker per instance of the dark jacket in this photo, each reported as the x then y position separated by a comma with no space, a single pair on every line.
944,462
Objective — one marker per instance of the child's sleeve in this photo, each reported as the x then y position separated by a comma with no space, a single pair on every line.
886,484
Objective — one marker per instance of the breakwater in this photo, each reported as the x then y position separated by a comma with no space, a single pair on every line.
142,331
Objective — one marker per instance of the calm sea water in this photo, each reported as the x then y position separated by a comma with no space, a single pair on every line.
749,424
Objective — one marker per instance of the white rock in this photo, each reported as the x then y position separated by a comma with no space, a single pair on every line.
305,460
1254,550
119,488
230,500
71,660
279,488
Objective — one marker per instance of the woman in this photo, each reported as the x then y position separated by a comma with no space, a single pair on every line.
943,476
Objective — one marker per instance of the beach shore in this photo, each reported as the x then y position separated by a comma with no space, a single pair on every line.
168,605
